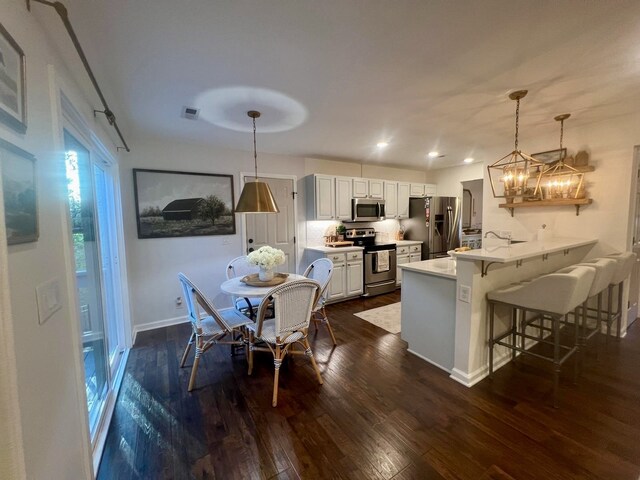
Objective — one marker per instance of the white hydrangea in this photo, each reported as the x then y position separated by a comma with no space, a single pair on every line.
266,257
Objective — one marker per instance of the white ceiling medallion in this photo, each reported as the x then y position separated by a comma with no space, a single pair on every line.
227,108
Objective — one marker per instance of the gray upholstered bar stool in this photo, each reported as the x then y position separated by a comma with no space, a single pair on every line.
605,268
553,296
626,261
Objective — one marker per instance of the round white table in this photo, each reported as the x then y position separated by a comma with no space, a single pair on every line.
235,287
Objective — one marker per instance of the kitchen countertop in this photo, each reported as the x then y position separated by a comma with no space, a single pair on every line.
402,243
323,249
439,267
521,251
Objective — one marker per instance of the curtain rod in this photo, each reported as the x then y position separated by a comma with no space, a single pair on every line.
64,16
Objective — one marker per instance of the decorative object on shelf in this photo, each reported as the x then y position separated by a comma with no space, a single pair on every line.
267,258
183,204
560,180
515,170
256,196
13,104
19,189
340,231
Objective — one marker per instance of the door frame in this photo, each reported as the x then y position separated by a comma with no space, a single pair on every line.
243,222
632,312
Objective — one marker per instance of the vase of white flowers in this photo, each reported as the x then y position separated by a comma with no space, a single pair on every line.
267,258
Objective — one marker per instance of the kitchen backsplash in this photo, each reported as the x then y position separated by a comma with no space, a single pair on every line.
316,230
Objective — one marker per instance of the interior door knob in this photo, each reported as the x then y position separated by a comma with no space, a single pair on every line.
250,240
250,249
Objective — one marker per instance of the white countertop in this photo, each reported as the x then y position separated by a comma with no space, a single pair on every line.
334,249
440,267
521,251
402,243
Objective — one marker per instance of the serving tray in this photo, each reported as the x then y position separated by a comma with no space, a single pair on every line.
253,280
338,244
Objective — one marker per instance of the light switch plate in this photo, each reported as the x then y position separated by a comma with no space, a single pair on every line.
48,299
464,293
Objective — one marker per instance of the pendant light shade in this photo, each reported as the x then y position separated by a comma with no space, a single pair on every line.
256,196
510,176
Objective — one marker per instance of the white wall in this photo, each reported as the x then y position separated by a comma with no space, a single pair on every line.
48,357
449,180
611,146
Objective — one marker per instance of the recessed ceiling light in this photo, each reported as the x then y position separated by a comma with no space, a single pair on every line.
468,160
382,144
433,154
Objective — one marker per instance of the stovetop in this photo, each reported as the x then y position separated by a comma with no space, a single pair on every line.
366,237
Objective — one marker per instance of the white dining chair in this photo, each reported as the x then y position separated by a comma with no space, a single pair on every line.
321,271
239,267
292,303
209,325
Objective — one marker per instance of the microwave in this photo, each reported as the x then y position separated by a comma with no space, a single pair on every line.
367,210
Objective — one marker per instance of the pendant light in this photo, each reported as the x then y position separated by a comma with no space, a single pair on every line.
516,168
256,196
561,180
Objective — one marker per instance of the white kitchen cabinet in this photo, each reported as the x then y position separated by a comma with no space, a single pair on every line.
355,278
347,280
343,198
415,257
417,190
429,190
400,259
376,189
391,199
321,197
360,188
403,200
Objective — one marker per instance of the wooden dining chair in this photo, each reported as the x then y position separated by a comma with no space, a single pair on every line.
321,271
239,267
209,325
292,304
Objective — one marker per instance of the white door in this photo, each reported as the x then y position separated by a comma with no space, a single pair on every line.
360,188
376,189
355,278
400,259
337,285
634,285
275,229
403,200
325,197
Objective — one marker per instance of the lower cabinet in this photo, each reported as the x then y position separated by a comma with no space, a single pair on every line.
407,254
348,273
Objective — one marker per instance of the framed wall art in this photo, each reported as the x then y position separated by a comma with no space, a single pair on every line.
550,156
183,204
19,192
13,105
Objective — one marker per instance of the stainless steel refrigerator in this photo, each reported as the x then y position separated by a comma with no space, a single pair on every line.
435,221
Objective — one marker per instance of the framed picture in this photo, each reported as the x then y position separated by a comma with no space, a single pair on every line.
19,190
13,108
183,204
551,156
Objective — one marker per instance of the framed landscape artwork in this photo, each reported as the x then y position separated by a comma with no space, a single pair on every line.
19,191
13,112
551,156
183,204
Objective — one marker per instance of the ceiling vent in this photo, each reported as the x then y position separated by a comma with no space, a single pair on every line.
191,113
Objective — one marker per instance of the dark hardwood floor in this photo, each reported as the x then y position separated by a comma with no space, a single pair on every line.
381,413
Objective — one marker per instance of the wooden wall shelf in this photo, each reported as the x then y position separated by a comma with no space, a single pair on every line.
560,202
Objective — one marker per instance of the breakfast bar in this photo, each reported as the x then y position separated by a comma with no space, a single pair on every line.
444,309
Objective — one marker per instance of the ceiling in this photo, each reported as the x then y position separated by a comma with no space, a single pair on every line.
334,77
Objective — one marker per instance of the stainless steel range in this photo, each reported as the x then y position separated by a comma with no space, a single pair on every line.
379,261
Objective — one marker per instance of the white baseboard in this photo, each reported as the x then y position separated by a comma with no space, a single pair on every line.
167,322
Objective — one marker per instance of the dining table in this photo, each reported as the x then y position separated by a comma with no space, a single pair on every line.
236,287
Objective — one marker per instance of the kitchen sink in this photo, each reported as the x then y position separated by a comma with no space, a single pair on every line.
517,241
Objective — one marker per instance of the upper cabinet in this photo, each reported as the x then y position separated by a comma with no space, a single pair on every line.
343,198
329,197
366,188
391,199
403,199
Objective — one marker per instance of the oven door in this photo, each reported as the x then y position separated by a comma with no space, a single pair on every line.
372,274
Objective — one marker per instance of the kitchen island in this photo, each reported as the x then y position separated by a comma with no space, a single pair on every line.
449,304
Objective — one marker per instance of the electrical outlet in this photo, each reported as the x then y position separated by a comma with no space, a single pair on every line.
179,302
464,293
48,299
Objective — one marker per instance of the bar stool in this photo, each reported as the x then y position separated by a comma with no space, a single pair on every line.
552,296
605,268
626,261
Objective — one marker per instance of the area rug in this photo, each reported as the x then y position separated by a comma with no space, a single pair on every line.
387,317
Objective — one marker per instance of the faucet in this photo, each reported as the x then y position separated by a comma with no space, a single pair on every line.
507,238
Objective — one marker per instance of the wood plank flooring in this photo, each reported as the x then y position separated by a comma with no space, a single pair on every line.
382,413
